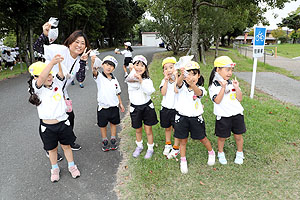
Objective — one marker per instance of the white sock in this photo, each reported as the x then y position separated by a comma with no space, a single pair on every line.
150,146
139,144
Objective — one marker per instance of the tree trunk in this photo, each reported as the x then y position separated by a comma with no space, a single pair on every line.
31,43
217,46
202,52
223,41
195,30
23,49
228,40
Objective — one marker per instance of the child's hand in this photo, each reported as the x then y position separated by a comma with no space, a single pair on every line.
235,83
122,108
57,59
182,71
166,76
223,83
46,28
138,77
189,80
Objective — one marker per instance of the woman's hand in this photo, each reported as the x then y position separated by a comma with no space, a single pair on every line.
46,28
85,55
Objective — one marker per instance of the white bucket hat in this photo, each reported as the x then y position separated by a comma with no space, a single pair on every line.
127,44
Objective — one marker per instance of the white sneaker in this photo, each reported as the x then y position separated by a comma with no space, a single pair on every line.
222,159
167,149
173,153
183,167
211,159
239,159
126,74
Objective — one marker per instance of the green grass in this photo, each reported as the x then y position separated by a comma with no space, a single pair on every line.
270,170
7,73
287,50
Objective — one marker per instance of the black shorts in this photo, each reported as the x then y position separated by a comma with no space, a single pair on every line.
127,60
167,117
226,125
143,113
106,115
184,125
51,134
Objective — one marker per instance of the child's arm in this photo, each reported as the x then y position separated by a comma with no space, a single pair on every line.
193,86
176,79
94,69
121,104
45,73
180,78
60,72
239,94
164,88
220,96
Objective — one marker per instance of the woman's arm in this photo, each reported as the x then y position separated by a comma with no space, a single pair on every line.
43,39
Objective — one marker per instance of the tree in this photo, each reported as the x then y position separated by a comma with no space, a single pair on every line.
292,21
277,33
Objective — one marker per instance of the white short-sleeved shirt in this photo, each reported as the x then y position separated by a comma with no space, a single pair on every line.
53,105
51,50
140,93
126,53
169,99
108,91
229,106
188,104
9,58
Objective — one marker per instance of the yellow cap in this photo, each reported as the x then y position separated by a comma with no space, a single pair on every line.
35,69
168,60
223,61
192,65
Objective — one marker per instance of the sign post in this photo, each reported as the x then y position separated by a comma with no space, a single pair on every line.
258,51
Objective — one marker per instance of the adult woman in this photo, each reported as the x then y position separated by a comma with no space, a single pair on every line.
75,54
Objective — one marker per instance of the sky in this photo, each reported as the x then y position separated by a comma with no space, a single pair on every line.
289,7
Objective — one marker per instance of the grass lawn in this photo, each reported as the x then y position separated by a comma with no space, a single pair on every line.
287,50
7,73
271,146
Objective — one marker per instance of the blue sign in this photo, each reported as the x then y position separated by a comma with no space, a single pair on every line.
259,36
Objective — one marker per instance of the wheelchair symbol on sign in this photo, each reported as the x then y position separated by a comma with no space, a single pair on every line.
259,37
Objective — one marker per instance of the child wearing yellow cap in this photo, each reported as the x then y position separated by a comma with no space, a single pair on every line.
167,113
46,93
226,96
189,109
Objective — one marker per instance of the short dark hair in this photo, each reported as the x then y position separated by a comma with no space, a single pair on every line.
74,36
109,63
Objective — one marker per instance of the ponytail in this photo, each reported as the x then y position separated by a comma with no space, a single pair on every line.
212,76
129,48
200,81
33,99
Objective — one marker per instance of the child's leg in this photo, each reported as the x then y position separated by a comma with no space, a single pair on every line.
183,161
113,130
168,132
113,135
206,143
68,152
139,142
53,156
148,130
103,131
105,145
125,69
221,142
182,143
138,134
239,142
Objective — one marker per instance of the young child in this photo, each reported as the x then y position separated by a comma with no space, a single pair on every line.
46,94
109,100
227,96
141,107
128,56
167,113
189,117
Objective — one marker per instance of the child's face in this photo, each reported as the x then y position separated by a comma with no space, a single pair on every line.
225,72
139,67
192,76
107,68
49,80
169,69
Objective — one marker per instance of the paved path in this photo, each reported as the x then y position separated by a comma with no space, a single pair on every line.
279,86
25,169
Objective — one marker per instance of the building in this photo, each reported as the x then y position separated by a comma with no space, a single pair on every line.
151,39
245,39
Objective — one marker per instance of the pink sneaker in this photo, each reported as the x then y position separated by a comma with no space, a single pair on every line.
54,175
74,171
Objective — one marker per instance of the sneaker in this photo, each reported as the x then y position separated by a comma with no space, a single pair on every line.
173,153
113,144
75,147
211,159
81,85
74,171
72,83
105,146
59,157
239,159
167,149
137,152
126,74
183,167
222,159
149,154
54,175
